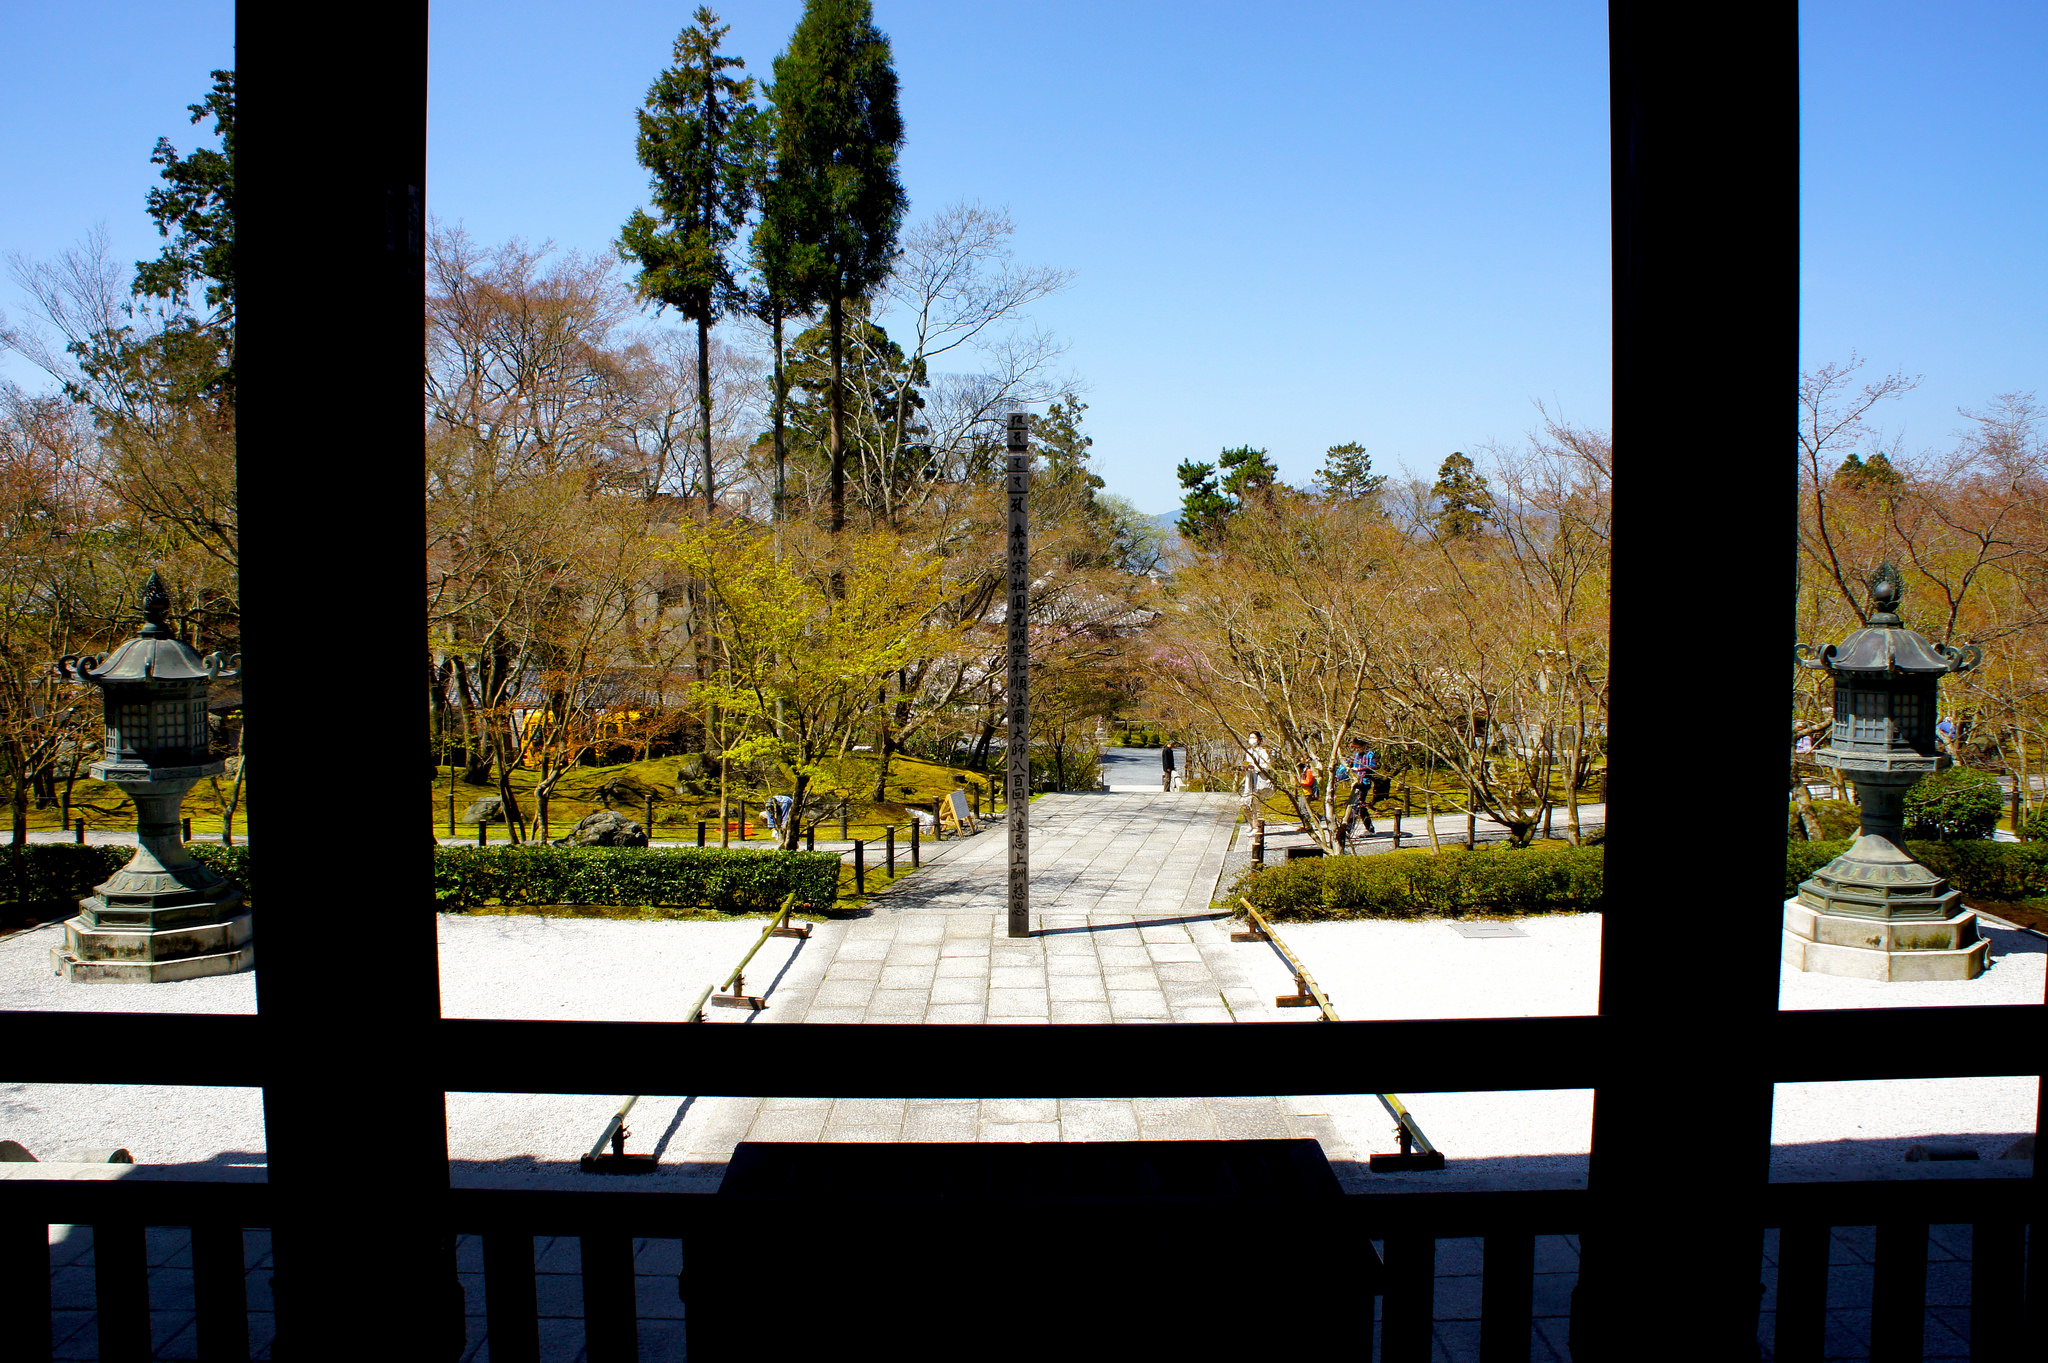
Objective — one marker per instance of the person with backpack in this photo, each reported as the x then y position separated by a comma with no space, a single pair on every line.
1365,764
1381,785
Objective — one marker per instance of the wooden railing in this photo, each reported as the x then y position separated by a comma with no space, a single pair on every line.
1410,1226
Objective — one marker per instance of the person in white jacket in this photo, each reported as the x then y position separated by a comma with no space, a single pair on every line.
1258,771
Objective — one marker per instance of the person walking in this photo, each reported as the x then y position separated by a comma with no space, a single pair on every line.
1166,765
1309,779
1258,772
1364,762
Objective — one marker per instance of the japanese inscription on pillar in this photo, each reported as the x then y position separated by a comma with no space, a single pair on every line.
1017,751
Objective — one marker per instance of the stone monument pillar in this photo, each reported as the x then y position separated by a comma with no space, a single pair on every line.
163,916
1874,913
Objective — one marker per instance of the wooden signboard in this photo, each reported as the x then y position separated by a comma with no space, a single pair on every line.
956,813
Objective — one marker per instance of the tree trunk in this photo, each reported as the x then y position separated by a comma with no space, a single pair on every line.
704,409
835,406
2023,780
18,785
18,803
884,746
1809,820
437,711
508,754
476,754
779,396
724,814
792,827
1574,772
2018,781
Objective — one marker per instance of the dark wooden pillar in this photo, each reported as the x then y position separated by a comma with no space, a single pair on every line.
331,219
1705,129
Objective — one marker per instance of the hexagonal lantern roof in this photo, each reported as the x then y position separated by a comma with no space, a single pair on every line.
155,654
1885,646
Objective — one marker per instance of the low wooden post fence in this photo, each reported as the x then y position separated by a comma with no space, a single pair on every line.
1415,1150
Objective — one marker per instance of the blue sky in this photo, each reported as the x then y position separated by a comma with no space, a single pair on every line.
1322,222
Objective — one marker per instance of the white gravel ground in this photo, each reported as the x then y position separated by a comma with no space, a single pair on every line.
1540,1138
526,967
511,966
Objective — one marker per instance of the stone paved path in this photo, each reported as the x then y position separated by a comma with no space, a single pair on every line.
1121,886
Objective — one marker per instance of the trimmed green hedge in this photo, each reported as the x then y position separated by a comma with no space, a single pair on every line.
2003,871
730,880
1455,883
232,862
1510,882
58,872
64,872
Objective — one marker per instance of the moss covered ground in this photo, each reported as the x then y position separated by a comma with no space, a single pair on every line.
913,782
681,801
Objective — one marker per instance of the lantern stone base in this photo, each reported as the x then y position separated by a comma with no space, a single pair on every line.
75,971
1879,949
92,953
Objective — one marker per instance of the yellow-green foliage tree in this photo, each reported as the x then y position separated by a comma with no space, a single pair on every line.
1273,629
803,662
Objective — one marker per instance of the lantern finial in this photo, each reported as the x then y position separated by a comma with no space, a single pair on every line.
1887,589
156,603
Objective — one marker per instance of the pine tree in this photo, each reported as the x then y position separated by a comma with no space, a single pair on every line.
838,203
700,140
1203,507
1464,505
1210,502
1247,473
1347,476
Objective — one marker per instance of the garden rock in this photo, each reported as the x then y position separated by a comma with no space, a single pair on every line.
605,829
623,790
490,809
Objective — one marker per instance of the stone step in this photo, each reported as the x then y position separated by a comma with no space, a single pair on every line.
1881,934
1864,963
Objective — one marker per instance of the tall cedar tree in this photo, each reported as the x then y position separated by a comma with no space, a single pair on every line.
837,204
778,296
700,139
1464,504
